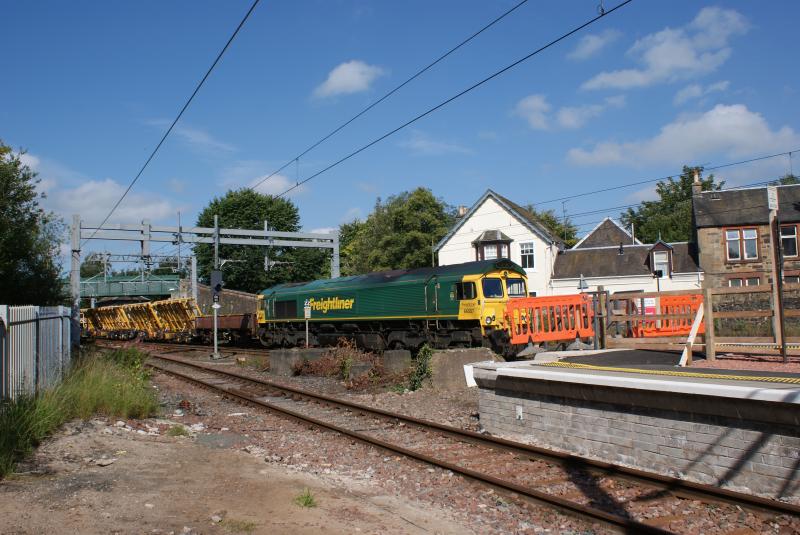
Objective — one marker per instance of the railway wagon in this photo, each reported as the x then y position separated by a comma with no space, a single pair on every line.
459,305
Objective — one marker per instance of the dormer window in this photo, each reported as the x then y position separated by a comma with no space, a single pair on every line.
491,245
660,264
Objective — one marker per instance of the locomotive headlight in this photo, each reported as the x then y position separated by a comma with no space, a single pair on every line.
488,320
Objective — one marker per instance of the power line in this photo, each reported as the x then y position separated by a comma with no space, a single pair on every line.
390,93
456,96
650,180
180,114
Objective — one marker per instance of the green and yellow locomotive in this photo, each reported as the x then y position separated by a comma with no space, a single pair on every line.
458,305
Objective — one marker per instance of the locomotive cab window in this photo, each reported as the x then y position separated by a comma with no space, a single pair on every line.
466,290
492,288
515,287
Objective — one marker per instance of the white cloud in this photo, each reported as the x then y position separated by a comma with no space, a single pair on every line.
195,138
591,44
576,116
351,214
694,91
93,199
276,185
30,160
422,144
674,54
350,77
324,230
732,131
535,109
177,185
254,173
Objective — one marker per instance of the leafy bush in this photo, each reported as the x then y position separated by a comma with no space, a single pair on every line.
422,368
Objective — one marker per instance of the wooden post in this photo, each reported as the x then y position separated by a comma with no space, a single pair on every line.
774,252
708,313
603,315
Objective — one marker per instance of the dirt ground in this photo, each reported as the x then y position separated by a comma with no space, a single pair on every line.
161,484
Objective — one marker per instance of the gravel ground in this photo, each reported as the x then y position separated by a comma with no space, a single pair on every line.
298,447
460,408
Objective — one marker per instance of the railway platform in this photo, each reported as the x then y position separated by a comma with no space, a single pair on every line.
732,428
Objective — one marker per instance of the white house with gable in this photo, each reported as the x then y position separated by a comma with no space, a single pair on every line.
495,227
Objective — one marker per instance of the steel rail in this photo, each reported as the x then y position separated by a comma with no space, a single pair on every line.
671,485
627,525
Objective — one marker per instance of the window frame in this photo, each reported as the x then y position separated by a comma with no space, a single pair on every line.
515,281
500,283
459,290
740,239
744,282
524,254
665,273
781,238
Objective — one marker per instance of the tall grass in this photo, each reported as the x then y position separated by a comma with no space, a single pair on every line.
111,383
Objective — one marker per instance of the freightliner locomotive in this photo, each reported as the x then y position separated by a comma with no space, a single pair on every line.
459,305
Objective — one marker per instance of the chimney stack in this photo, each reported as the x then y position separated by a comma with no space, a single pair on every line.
697,186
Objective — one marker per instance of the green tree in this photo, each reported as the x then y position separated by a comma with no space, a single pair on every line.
786,180
398,234
247,209
670,217
29,238
92,265
561,228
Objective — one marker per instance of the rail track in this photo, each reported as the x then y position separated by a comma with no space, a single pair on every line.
571,484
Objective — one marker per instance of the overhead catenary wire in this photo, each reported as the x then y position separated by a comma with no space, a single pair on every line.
455,97
389,94
667,177
177,118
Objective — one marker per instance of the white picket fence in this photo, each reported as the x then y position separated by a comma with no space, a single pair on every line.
34,348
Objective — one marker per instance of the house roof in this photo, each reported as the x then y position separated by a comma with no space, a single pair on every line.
607,233
521,214
491,236
744,206
607,262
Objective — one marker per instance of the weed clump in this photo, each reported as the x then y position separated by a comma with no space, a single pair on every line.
112,383
305,499
177,431
422,368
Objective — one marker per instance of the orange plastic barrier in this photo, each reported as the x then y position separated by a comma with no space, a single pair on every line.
550,319
671,304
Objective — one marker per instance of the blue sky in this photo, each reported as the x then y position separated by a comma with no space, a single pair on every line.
89,87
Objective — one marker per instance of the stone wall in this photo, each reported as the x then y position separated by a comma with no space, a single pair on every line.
726,451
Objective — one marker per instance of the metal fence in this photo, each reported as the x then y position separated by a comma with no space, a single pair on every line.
34,348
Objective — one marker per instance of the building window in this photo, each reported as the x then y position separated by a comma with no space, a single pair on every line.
789,240
741,244
528,255
503,250
749,281
489,252
791,279
661,262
